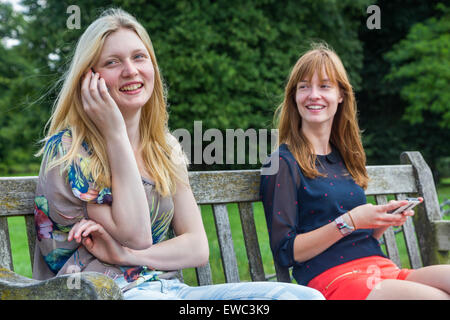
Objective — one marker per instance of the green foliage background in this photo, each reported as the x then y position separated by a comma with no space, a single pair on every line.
226,63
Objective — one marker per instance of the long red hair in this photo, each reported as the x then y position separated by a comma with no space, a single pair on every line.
345,132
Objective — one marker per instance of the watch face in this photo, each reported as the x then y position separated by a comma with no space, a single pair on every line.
344,228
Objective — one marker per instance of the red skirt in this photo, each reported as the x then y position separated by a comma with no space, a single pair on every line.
355,279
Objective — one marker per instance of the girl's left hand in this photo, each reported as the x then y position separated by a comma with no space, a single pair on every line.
404,215
369,216
97,241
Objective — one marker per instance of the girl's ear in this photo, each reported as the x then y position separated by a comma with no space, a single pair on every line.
341,96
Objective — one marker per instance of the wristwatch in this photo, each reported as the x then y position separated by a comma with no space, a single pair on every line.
344,228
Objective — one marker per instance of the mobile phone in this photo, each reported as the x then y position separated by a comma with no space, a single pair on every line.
412,202
92,69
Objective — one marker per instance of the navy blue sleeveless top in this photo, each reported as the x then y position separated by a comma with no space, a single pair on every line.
295,204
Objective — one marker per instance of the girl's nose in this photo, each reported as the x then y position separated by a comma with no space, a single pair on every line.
314,93
129,69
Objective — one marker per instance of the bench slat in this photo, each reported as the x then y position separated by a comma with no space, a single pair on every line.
251,241
227,252
391,180
203,273
5,245
411,244
283,274
17,193
409,234
243,185
225,186
31,235
391,246
204,276
389,237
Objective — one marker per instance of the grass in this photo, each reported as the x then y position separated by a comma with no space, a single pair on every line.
444,190
19,246
22,264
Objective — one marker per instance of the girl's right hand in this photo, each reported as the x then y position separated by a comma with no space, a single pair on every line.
369,216
100,106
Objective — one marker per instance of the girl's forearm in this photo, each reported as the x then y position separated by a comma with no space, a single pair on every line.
310,244
130,210
184,251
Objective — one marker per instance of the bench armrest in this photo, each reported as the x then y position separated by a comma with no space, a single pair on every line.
76,286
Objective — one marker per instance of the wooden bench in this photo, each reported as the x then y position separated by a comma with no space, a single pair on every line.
427,243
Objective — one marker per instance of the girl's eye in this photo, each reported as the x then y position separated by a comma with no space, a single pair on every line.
139,56
110,62
327,84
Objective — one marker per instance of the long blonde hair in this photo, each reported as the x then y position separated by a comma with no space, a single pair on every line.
345,132
68,110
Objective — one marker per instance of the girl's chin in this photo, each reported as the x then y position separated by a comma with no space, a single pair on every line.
131,102
136,105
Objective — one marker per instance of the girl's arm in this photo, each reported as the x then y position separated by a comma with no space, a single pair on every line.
128,219
368,216
188,249
310,244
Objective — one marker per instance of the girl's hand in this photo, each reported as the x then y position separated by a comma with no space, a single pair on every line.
97,241
369,216
100,106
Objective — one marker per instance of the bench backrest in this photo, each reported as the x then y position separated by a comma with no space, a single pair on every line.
427,243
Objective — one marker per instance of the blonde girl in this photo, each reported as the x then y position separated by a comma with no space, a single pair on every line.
113,180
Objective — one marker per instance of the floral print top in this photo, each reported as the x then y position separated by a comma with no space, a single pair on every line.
60,202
